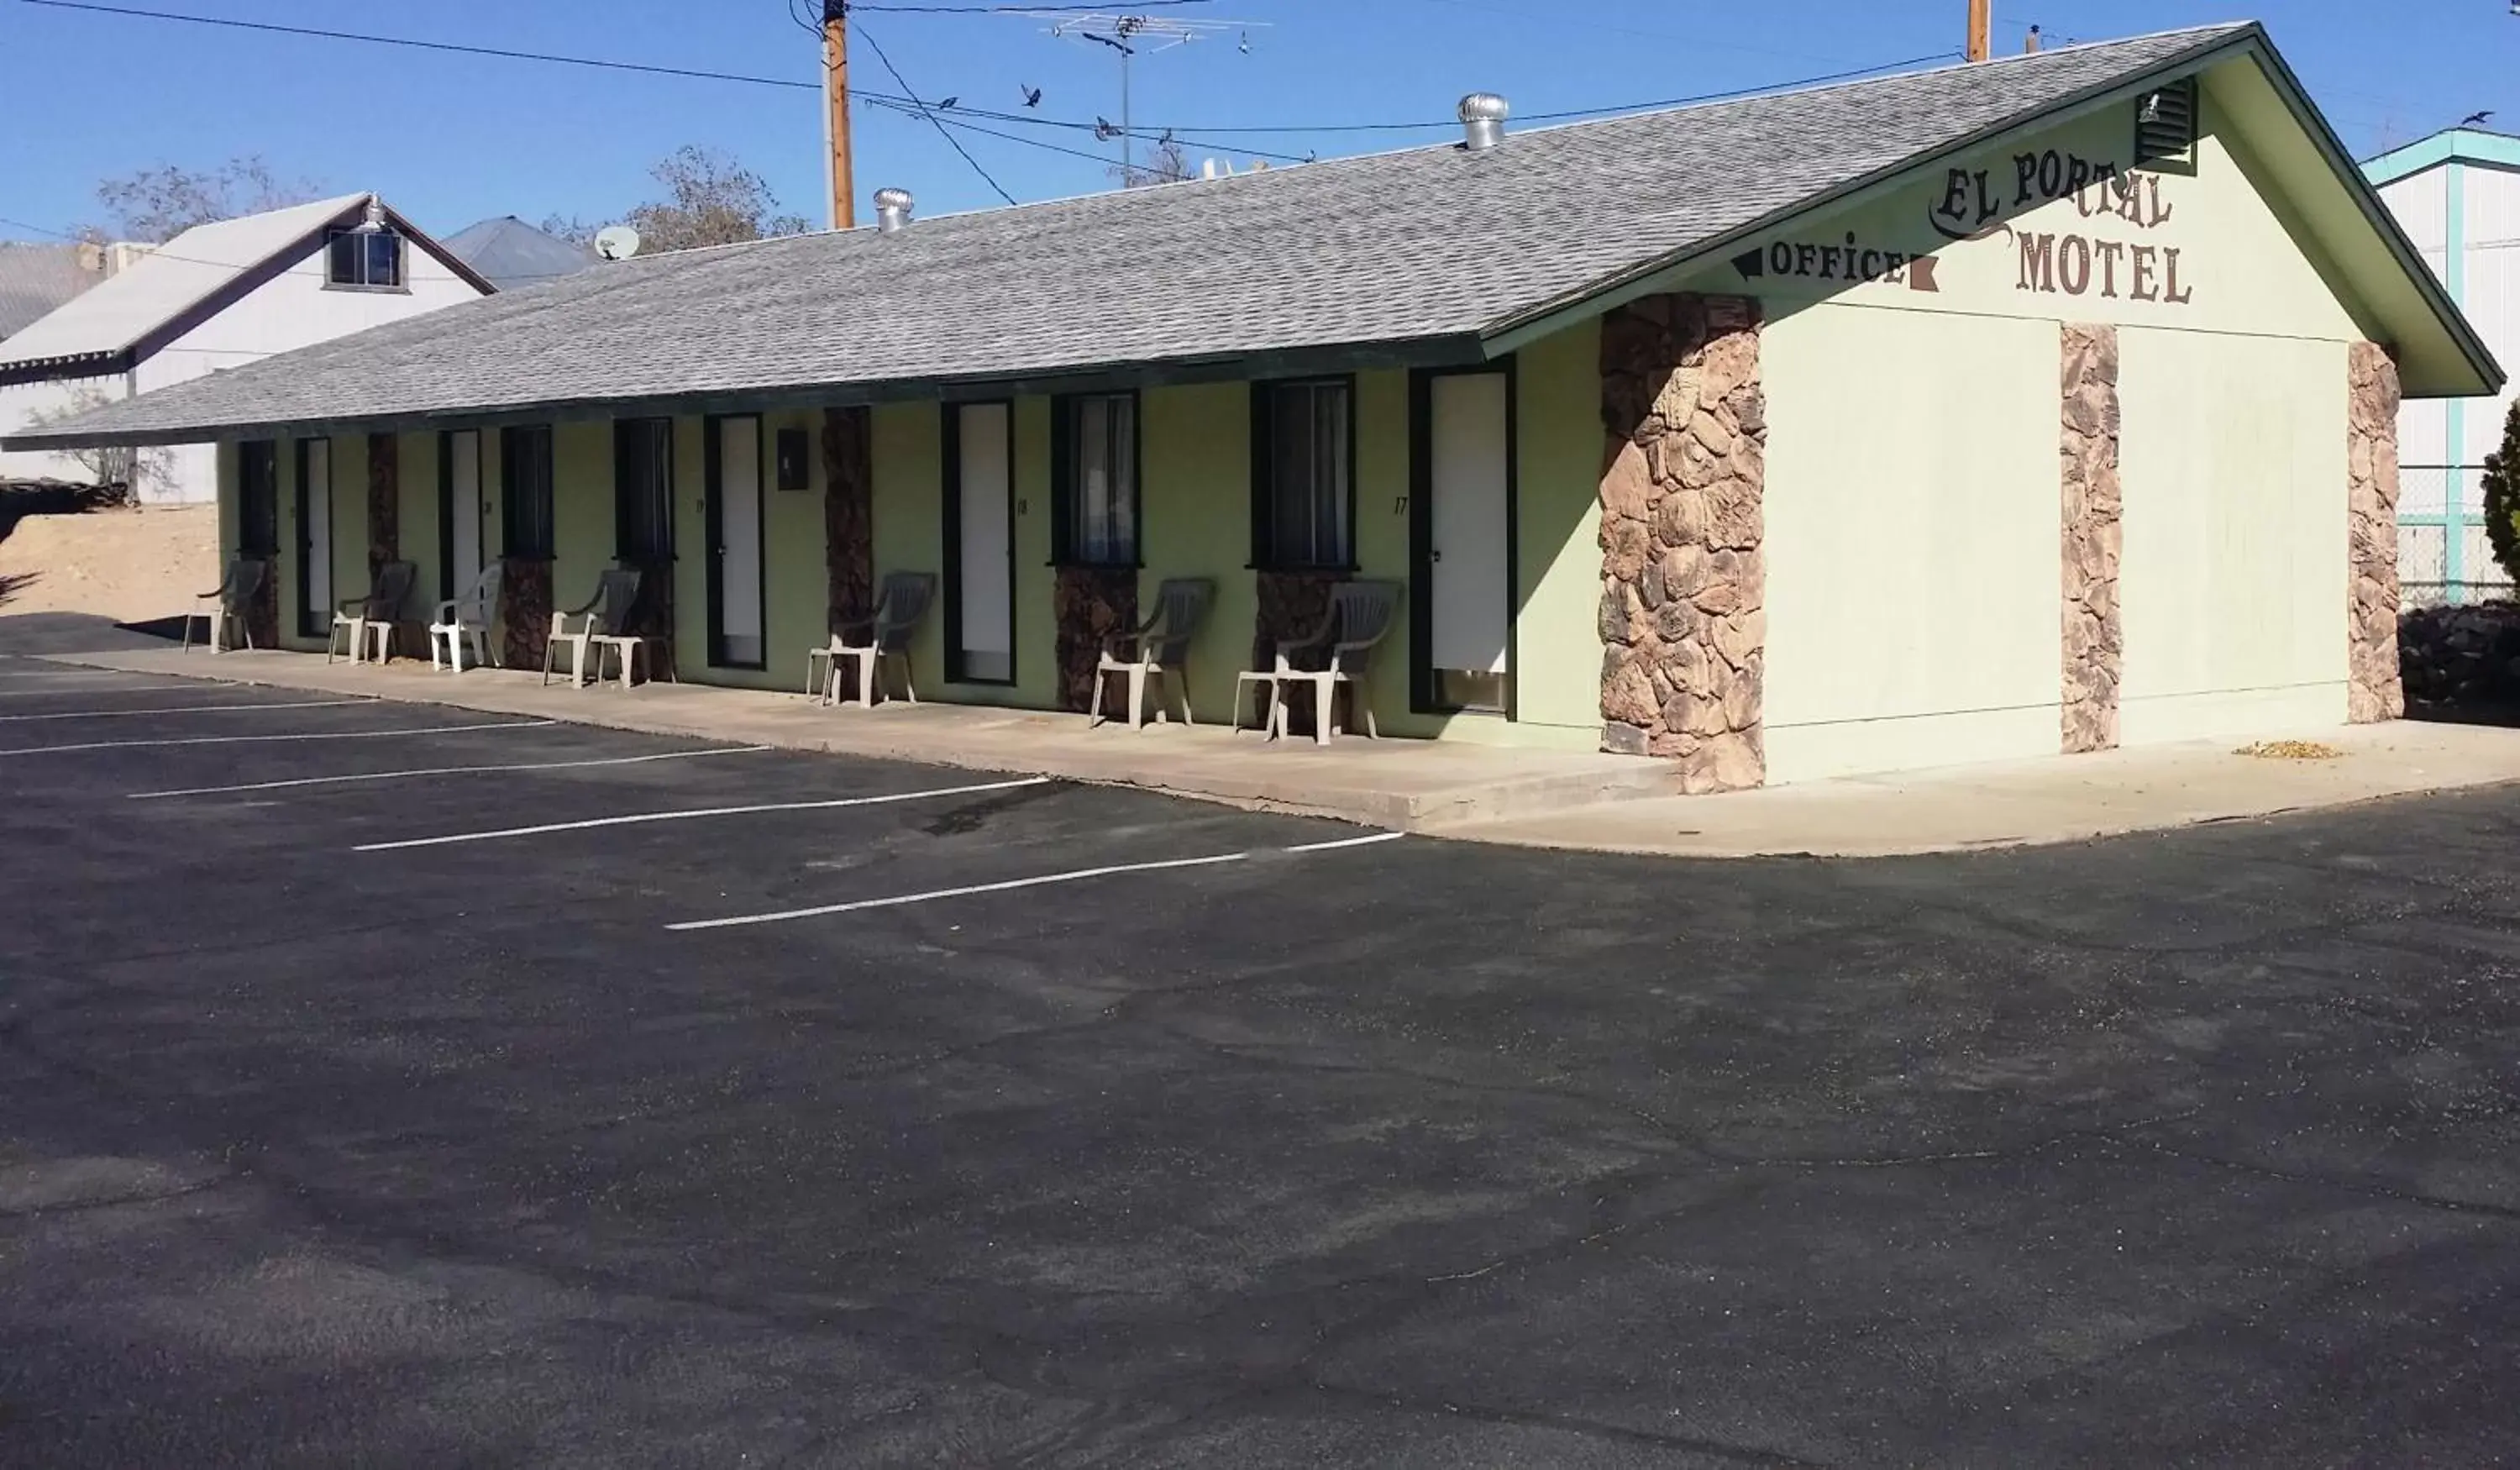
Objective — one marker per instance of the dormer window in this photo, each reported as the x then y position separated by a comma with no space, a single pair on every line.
363,259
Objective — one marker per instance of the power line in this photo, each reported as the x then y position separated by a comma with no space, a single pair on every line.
349,35
1181,132
898,80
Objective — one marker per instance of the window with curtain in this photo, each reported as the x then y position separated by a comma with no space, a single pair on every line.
525,491
642,489
1303,439
259,498
362,260
1098,481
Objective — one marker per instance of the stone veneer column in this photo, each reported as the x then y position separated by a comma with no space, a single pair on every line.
1088,604
848,511
1292,607
1684,581
2093,537
525,609
2372,690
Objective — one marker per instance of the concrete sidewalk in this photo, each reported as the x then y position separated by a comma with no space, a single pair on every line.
2049,800
1534,798
1408,785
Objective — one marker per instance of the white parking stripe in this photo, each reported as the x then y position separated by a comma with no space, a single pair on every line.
332,780
178,709
1367,840
253,740
1076,876
638,817
76,674
83,690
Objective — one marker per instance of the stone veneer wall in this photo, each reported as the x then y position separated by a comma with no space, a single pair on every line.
1684,581
2373,691
1292,605
1088,604
2093,538
525,609
848,511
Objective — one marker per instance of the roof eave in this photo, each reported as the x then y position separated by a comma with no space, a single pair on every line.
1318,360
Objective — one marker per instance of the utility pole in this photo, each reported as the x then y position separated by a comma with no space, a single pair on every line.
835,117
1981,27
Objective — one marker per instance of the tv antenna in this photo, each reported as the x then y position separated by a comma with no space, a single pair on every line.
1136,35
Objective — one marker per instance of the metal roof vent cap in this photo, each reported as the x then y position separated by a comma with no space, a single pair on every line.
891,209
1483,116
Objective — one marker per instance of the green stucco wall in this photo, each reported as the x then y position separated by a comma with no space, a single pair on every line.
1194,476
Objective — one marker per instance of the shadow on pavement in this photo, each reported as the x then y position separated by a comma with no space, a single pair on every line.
40,633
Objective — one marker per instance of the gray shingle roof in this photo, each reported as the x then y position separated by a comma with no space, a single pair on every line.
512,255
36,278
1428,243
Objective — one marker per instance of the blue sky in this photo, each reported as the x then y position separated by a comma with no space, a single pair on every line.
451,139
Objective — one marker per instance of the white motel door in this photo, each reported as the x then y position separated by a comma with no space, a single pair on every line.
739,546
462,511
1471,592
984,565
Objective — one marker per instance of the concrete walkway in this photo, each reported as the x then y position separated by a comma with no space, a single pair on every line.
2016,803
1526,797
1408,784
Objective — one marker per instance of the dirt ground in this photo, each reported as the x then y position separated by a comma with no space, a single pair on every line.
129,565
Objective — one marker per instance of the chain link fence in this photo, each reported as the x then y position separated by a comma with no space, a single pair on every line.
2432,523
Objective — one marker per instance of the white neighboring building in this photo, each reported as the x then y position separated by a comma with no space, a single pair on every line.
215,296
2457,195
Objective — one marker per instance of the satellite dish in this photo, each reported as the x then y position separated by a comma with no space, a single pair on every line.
616,242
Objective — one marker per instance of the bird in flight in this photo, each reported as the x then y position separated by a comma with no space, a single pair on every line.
1032,95
2477,119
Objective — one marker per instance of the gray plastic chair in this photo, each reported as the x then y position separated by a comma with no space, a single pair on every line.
600,624
468,619
1156,651
228,604
376,613
1360,615
871,641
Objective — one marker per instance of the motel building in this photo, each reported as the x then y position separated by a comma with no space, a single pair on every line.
2040,405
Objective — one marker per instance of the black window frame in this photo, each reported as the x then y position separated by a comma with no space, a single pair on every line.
643,534
1266,553
525,529
364,260
259,498
1066,443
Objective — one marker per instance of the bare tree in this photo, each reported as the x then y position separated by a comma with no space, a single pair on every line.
1164,163
569,227
156,204
115,470
709,199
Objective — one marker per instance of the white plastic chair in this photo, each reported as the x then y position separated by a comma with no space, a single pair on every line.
1156,652
1360,615
227,605
372,618
599,626
468,619
871,641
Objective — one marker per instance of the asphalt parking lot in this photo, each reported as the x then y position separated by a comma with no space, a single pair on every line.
385,1084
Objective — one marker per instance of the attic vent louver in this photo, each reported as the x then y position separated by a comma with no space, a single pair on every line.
1483,116
891,209
2165,125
